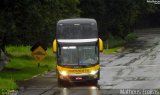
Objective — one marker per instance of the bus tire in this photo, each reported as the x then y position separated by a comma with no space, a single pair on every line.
94,82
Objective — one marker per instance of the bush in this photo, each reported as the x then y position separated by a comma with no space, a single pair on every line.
131,37
114,42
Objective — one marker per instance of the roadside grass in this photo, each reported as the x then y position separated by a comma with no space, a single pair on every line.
7,84
113,50
116,44
113,45
23,66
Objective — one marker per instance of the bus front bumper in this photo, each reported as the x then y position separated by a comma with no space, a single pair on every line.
79,77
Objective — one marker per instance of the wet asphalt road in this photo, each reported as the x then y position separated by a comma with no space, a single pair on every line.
137,67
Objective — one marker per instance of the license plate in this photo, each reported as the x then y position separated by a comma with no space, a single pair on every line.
79,78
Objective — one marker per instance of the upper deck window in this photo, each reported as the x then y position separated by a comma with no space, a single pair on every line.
77,31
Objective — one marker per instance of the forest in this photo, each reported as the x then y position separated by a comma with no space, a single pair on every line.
25,22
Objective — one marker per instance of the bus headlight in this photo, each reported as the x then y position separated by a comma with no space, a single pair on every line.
63,73
93,72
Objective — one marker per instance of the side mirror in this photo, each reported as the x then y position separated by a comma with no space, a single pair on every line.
54,46
100,45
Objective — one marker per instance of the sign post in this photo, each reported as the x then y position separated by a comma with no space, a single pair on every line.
39,54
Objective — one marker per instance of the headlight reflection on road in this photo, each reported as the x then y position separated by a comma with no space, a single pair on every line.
65,91
94,90
93,87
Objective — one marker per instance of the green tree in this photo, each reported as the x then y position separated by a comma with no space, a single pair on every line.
28,21
115,17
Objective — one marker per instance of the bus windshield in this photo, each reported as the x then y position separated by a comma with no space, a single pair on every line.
79,55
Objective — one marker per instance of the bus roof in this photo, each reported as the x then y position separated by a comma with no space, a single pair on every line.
79,28
76,21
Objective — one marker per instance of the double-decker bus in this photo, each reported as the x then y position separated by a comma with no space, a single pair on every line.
77,47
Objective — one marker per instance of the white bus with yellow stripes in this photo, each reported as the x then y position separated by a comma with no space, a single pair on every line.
77,47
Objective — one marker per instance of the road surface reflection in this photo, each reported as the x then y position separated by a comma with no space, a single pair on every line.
79,89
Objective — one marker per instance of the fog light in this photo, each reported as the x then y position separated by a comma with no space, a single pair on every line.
95,76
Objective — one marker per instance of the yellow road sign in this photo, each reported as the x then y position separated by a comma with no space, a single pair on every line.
39,54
